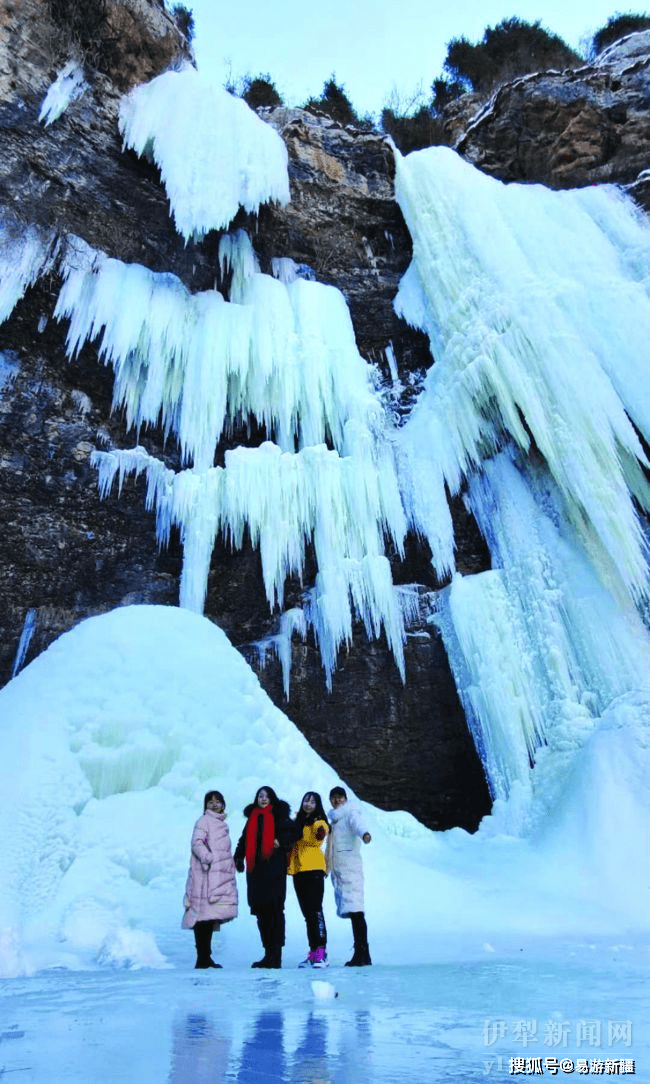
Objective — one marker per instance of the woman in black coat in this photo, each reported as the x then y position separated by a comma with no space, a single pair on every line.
269,834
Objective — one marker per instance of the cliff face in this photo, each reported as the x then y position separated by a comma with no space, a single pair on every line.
67,555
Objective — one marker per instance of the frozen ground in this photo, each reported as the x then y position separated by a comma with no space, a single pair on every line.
451,1021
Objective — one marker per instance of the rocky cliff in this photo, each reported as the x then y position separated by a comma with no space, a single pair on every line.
571,128
67,555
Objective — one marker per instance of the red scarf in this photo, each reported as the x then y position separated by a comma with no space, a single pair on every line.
268,835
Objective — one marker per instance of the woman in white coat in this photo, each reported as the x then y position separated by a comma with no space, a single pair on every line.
343,859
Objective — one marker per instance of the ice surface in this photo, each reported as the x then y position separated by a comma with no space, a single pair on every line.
69,85
214,153
454,1022
536,305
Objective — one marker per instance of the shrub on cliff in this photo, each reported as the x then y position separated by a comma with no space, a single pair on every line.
82,23
510,49
260,90
184,20
335,103
412,133
444,91
618,26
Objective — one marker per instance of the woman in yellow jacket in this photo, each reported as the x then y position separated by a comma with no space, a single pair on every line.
307,867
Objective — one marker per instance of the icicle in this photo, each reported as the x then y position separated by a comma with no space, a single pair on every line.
291,621
284,353
392,363
24,255
197,364
24,641
539,325
214,153
236,255
286,500
69,85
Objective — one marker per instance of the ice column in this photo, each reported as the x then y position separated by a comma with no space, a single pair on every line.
540,647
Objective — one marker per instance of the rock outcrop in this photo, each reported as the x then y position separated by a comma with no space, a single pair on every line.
572,128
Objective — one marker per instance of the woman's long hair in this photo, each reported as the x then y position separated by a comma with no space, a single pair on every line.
319,814
273,798
214,794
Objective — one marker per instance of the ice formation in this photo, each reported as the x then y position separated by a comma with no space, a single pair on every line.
540,647
285,353
24,255
536,305
69,85
537,309
24,641
214,153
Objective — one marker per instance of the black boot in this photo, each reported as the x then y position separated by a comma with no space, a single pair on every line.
203,942
360,957
275,958
264,962
361,954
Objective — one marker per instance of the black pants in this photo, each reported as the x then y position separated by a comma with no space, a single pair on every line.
270,923
359,929
309,888
203,940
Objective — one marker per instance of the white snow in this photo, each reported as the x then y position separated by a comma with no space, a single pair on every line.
69,85
215,154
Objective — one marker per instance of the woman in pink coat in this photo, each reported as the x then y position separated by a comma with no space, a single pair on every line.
211,890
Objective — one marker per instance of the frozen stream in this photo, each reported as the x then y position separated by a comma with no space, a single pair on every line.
450,1021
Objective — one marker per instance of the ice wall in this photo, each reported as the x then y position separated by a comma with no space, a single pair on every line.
537,308
540,647
214,153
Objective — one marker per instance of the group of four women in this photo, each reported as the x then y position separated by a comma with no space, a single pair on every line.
271,846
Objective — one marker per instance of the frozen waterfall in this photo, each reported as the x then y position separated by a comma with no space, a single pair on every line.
537,308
